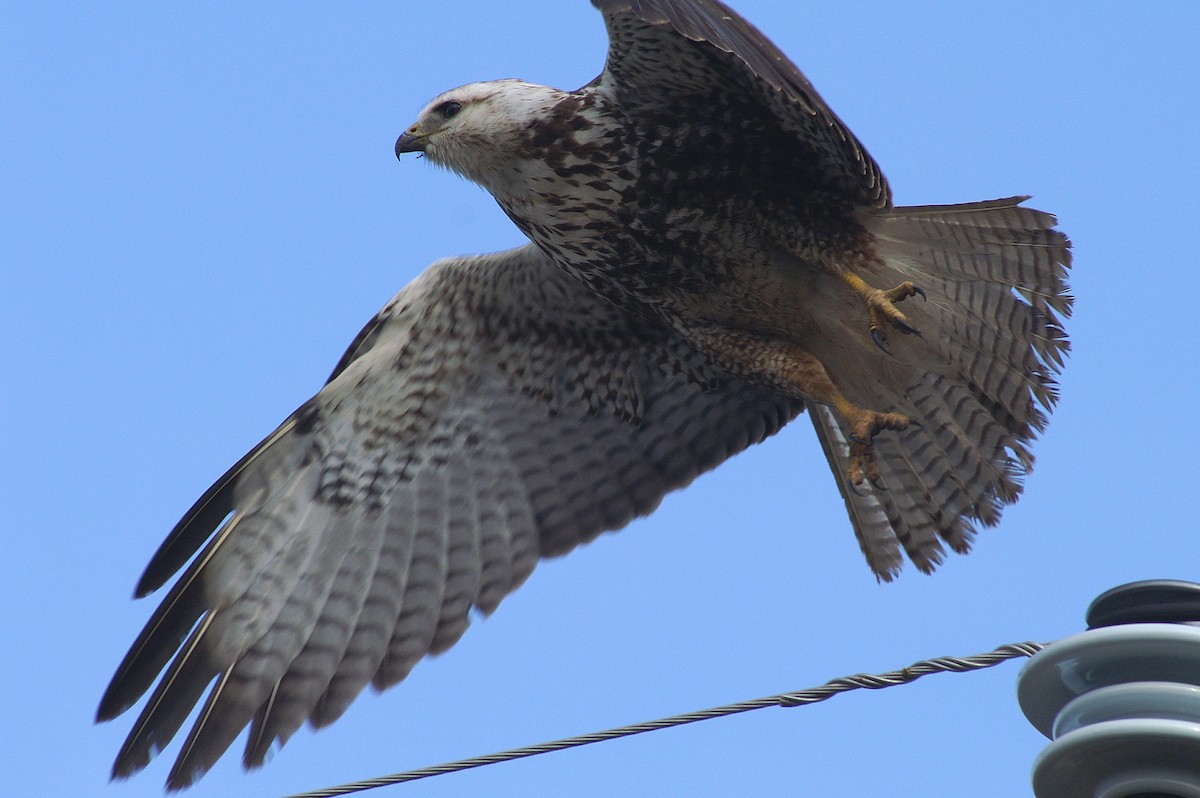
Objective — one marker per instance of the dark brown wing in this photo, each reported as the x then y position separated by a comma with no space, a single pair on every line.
660,47
495,412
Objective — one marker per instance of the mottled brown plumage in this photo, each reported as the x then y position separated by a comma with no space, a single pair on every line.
708,244
495,412
701,181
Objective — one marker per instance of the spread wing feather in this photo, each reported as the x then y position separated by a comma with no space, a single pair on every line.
659,49
493,413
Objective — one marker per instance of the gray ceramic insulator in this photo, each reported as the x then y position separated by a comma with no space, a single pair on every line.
1121,702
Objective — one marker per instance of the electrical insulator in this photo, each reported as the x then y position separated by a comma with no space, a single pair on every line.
1121,701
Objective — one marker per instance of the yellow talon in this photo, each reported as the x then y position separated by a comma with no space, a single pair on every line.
881,307
864,425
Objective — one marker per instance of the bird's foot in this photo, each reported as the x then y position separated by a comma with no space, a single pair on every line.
882,310
864,426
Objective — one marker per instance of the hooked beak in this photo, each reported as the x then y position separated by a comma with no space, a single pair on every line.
411,140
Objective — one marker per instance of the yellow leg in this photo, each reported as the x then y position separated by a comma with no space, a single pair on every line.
864,426
881,307
795,371
808,376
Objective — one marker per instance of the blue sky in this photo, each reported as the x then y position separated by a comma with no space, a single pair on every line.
201,207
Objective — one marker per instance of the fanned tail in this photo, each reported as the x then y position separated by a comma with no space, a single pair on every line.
978,381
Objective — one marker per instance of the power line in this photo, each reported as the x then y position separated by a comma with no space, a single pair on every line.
800,698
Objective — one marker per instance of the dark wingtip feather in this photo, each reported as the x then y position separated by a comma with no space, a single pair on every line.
264,738
187,536
204,518
168,707
159,639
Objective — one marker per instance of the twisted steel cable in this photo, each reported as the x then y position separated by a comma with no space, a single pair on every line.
799,698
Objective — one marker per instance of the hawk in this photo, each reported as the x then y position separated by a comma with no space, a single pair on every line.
712,253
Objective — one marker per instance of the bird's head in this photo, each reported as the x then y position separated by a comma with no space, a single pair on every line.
477,130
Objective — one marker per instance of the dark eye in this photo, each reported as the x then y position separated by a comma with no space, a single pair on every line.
449,109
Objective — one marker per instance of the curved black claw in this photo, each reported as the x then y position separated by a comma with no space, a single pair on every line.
919,291
880,341
906,328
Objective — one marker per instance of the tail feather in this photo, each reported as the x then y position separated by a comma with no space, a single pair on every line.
873,526
978,382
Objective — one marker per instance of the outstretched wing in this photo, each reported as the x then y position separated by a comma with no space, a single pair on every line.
493,413
660,50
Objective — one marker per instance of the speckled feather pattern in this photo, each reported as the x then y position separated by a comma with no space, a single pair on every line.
692,211
494,413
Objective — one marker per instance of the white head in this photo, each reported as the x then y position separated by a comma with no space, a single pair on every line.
477,130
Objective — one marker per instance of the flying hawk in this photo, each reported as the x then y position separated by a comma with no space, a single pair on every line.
713,253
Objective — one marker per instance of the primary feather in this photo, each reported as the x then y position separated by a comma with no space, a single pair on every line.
494,413
706,237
